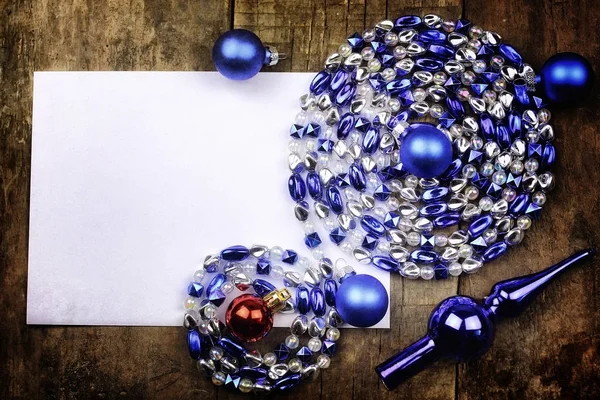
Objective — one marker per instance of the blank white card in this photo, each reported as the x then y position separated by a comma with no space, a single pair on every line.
136,176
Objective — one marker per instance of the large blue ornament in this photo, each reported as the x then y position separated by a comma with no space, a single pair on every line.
461,328
425,151
361,300
239,54
567,78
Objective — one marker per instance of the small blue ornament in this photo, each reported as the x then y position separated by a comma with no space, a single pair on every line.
361,301
426,151
239,54
567,78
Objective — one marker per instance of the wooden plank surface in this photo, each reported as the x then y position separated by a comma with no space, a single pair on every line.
551,352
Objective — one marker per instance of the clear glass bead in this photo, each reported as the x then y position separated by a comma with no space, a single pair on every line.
323,361
469,171
497,61
413,239
463,94
303,263
455,268
532,165
391,39
405,224
367,53
479,66
295,365
411,181
517,167
227,287
489,96
539,198
314,345
379,212
218,378
419,94
476,142
472,193
309,227
485,203
318,253
191,303
276,272
392,203
499,85
427,272
487,169
345,50
490,235
383,247
509,194
276,253
332,334
388,74
449,26
292,341
294,146
436,110
468,77
356,237
302,118
499,178
399,52
465,251
216,353
524,222
209,311
346,247
544,116
270,359
329,223
369,35
439,78
441,239
199,275
355,137
246,385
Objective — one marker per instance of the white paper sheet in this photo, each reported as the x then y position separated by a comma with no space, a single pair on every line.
137,175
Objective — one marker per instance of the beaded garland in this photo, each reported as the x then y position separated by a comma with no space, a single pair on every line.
345,148
218,347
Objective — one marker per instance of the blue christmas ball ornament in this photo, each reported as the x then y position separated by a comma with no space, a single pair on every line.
361,301
566,78
425,151
239,54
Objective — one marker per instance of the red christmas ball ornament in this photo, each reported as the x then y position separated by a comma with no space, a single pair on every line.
248,318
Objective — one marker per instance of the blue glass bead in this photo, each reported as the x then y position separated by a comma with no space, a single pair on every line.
304,354
548,156
263,266
207,341
312,240
479,88
195,289
297,131
262,287
216,282
362,125
337,235
453,169
315,187
479,245
320,82
329,347
435,194
514,124
407,21
282,352
462,25
302,300
479,181
485,52
424,256
406,98
503,136
378,46
385,263
446,220
514,181
194,344
372,225
232,382
288,382
217,297
494,191
440,272
330,289
426,151
455,106
429,64
289,257
361,300
235,253
567,78
345,126
370,242
232,347
357,177
253,373
442,51
433,209
343,181
473,157
519,204
355,40
534,150
520,89
478,226
427,241
494,251
387,59
453,84
382,193
335,199
391,220
324,146
399,85
339,79
238,54
312,130
296,187
511,54
539,102
377,82
432,35
345,95
488,129
533,211
317,301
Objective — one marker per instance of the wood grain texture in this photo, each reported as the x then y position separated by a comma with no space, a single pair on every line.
551,352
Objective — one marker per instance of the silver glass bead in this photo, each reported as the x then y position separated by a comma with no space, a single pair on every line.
333,61
332,117
503,160
458,238
415,49
288,308
470,125
324,102
405,65
457,202
333,319
321,210
503,225
409,194
310,161
369,35
499,209
326,267
326,176
450,254
362,74
423,225
454,67
398,236
258,250
546,132
278,370
506,99
358,105
399,253
472,264
206,367
353,60
310,372
478,105
509,73
307,101
387,143
218,378
253,358
241,281
317,327
300,212
465,55
292,278
262,387
530,119
312,277
191,319
546,181
213,327
529,182
368,164
496,110
345,221
462,144
229,365
491,38
457,39
458,184
410,270
514,236
379,100
385,25
406,36
437,93
367,200
299,325
433,21
471,211
355,208
210,261
408,210
362,256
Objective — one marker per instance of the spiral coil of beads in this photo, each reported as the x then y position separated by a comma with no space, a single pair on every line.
218,348
345,148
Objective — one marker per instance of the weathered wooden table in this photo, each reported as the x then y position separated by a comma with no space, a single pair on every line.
550,352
